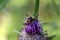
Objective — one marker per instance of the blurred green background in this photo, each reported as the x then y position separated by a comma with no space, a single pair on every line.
13,14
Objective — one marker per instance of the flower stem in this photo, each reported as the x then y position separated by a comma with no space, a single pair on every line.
36,9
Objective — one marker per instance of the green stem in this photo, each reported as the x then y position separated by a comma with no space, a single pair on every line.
36,8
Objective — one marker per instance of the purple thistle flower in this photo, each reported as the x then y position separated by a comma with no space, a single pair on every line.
33,26
32,31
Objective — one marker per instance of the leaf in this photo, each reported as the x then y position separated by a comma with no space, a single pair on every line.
51,37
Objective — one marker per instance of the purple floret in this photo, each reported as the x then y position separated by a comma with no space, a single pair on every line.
33,28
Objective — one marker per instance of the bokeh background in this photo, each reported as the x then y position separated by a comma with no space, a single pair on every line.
13,14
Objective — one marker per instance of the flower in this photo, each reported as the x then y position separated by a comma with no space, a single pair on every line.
33,26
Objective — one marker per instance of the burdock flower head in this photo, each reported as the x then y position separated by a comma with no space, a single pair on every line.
33,26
